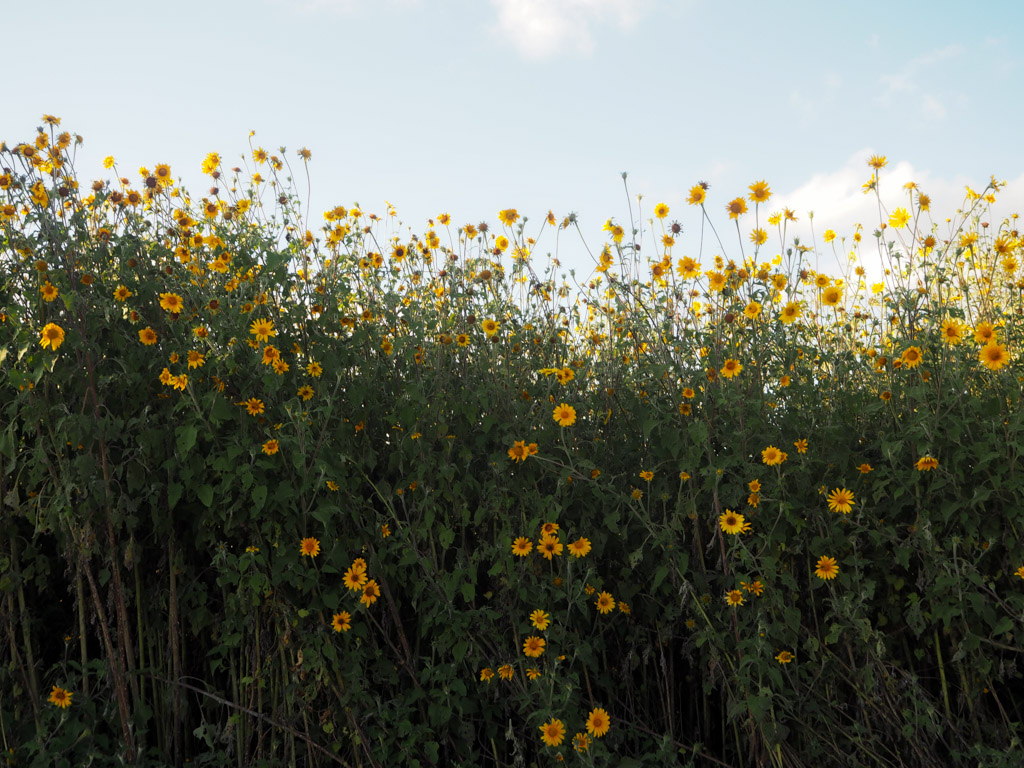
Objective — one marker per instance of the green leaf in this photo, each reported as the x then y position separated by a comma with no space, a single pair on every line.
205,494
173,494
186,439
259,497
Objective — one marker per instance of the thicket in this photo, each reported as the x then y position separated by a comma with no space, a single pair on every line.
279,493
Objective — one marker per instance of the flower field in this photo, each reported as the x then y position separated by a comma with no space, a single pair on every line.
283,488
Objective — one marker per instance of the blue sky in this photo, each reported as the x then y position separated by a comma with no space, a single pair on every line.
471,106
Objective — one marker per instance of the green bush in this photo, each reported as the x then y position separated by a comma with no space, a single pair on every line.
275,496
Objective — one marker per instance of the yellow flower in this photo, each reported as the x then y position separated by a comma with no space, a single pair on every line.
270,447
698,194
171,302
790,312
952,331
911,357
731,522
262,330
309,547
865,468
784,657
661,210
52,336
580,547
552,732
565,415
540,619
731,368
801,445
486,675
734,597
354,579
831,296
899,218
605,603
926,464
772,456
211,163
841,500
371,591
147,336
826,568
508,216
60,697
341,622
518,451
752,310
581,742
490,327
505,671
253,405
736,208
598,723
993,355
522,546
647,475
549,547
121,293
829,235
305,392
533,646
877,161
49,291
759,192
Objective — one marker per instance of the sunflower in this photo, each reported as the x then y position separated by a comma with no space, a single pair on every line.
993,355
752,310
518,451
341,622
784,657
688,268
195,359
841,500
926,464
598,722
552,732
759,192
865,468
60,697
353,579
801,445
581,742
49,291
755,588
831,296
826,568
911,357
533,673
647,475
505,671
270,447
147,336
486,675
731,368
952,331
121,293
549,547
736,208
772,456
52,336
522,546
565,415
731,522
877,162
305,392
661,210
171,302
605,602
984,333
508,216
262,329
211,163
490,327
580,547
790,312
697,195
540,619
899,218
253,405
371,591
309,547
734,597
533,646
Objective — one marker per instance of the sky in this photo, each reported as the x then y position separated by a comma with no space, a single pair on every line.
473,106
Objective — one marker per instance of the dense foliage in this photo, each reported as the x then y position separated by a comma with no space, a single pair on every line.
279,496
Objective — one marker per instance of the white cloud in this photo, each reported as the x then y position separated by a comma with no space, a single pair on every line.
904,85
540,28
838,201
